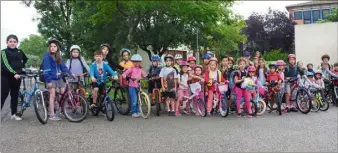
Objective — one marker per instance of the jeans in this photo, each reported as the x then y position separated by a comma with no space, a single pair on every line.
133,94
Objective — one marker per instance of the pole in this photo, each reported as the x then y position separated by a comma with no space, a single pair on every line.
197,51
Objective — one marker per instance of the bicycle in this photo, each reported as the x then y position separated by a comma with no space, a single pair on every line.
331,92
221,102
103,102
143,100
318,103
276,95
299,92
196,91
156,95
260,103
78,89
70,101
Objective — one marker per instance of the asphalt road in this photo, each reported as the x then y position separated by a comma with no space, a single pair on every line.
313,132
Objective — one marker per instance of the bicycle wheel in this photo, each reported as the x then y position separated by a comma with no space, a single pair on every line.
278,101
315,105
261,107
121,100
75,109
324,105
21,104
224,108
95,110
110,111
40,108
303,101
202,107
144,105
157,102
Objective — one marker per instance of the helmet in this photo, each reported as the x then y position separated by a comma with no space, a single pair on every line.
106,45
213,59
125,50
168,56
326,56
136,58
291,56
319,72
251,69
155,58
184,63
246,53
191,58
206,56
75,47
273,64
308,73
52,40
198,66
280,63
178,56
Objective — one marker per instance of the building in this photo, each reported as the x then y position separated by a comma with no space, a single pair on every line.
310,12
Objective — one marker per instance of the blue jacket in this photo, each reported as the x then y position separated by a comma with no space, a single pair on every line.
48,62
106,68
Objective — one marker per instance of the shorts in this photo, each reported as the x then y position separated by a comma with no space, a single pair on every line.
96,85
169,94
58,83
288,87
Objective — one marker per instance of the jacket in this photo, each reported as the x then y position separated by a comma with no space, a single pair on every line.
220,79
48,62
12,61
105,68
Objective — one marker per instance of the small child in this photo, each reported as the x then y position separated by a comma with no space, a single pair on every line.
98,74
183,89
291,71
153,74
275,77
319,80
134,75
239,79
250,89
198,76
77,64
168,77
178,59
211,77
262,72
310,68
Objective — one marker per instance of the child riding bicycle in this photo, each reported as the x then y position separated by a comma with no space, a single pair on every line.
273,78
153,74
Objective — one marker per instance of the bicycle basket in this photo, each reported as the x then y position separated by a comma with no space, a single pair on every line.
195,87
223,88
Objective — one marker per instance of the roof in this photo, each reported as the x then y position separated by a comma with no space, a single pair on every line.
319,2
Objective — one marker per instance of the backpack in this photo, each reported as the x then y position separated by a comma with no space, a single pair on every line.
84,70
232,78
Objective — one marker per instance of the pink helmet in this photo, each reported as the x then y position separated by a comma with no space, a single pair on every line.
280,63
251,69
191,58
184,63
291,56
198,66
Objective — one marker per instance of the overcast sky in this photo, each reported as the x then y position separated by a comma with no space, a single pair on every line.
17,18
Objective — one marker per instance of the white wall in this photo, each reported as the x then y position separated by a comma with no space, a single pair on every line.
314,40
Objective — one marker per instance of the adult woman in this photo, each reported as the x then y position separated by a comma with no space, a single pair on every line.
12,62
108,57
52,61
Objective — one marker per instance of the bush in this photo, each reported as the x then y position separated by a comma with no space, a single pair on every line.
274,55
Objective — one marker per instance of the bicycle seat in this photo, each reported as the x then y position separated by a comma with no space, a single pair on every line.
293,80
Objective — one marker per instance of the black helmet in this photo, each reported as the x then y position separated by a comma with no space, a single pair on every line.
52,40
106,44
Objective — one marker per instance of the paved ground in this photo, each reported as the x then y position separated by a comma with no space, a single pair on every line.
269,133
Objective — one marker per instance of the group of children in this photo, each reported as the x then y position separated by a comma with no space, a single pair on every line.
175,76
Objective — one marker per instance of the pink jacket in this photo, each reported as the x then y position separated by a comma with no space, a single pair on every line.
134,72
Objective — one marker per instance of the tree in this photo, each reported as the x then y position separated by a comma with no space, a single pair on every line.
34,47
273,30
333,17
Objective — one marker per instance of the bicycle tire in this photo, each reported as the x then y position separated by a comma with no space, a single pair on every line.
83,104
38,101
144,100
21,104
157,101
253,108
325,105
262,107
315,105
95,110
305,92
224,109
120,101
279,103
202,107
110,104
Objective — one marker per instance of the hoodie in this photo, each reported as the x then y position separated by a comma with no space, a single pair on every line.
48,62
12,61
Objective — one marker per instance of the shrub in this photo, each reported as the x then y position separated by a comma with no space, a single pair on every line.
274,55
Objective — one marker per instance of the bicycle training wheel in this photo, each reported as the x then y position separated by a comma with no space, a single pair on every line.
303,101
121,99
39,102
110,111
144,105
76,109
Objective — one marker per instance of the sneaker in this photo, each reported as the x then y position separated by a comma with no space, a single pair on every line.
177,114
93,105
17,118
209,114
135,115
240,115
293,109
169,113
286,110
54,117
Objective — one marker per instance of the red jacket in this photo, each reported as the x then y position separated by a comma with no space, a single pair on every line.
220,79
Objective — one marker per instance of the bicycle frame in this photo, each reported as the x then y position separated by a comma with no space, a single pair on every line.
154,91
29,95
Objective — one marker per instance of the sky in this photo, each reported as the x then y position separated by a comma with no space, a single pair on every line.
19,22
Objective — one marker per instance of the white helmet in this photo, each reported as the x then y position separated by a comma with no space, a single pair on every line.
178,56
75,47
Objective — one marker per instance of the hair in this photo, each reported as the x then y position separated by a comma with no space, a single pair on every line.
99,52
240,60
181,72
210,65
57,54
264,68
335,64
12,37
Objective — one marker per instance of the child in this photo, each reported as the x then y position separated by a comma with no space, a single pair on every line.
231,62
183,89
77,64
126,63
153,74
198,76
178,59
319,80
255,62
291,71
239,79
206,57
52,60
275,77
98,75
280,71
246,56
225,67
212,75
262,72
168,77
192,62
134,74
310,68
250,88
108,57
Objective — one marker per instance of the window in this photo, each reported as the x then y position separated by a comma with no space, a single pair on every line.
307,17
325,13
315,15
298,15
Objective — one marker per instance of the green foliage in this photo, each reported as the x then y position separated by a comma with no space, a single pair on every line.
333,17
274,55
34,47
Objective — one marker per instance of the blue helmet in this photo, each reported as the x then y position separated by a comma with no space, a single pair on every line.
206,56
136,58
246,53
155,58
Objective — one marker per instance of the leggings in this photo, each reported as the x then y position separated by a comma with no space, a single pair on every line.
10,85
211,98
181,94
242,93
